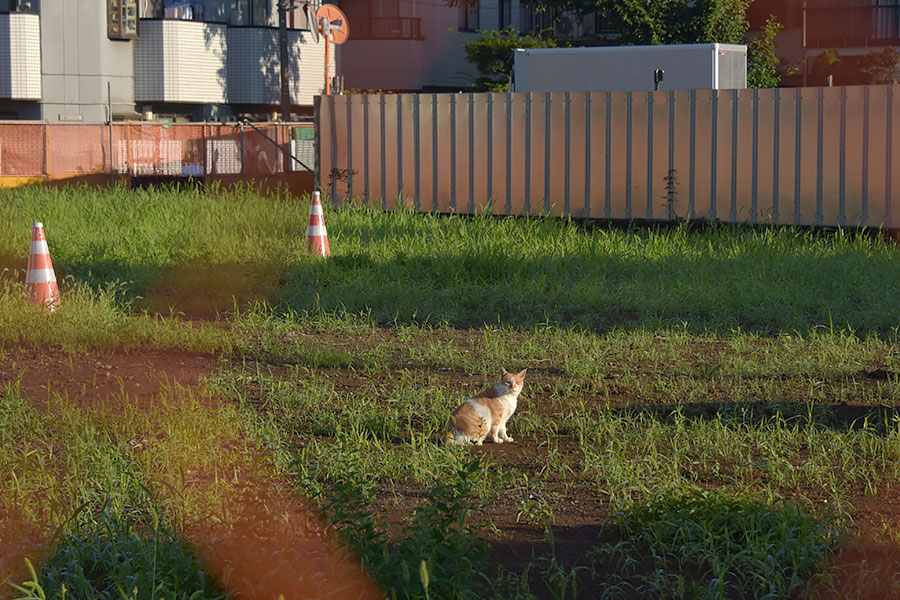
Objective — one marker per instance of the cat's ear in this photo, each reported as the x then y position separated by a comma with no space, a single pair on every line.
521,374
503,371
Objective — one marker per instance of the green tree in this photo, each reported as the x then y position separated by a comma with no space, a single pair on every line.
880,66
649,22
492,55
875,67
666,21
763,64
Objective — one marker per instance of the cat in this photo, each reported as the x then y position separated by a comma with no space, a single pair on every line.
485,415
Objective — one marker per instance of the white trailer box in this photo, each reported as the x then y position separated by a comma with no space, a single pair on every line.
627,68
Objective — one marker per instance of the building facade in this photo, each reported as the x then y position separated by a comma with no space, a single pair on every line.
847,30
171,59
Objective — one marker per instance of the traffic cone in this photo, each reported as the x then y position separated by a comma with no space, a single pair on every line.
316,234
40,279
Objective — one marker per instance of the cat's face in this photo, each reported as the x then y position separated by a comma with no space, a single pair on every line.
512,381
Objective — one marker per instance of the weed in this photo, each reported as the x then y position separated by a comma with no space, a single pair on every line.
709,545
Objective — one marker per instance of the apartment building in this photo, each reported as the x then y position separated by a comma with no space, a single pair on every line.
219,59
169,59
418,45
848,28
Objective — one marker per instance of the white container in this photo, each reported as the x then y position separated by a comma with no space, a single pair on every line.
630,68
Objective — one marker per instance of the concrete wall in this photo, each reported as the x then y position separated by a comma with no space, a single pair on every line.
78,61
383,64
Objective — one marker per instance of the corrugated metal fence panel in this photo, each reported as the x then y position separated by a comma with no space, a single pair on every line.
443,148
762,195
514,190
619,200
874,176
851,160
683,157
703,176
658,155
811,156
808,151
389,143
743,206
407,164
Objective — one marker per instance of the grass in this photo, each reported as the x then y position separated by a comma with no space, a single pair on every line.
756,368
409,268
700,544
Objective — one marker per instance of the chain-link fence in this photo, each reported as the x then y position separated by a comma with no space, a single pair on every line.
227,152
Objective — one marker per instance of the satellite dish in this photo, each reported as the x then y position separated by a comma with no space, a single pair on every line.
333,24
312,22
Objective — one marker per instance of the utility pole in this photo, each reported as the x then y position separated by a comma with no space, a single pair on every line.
283,7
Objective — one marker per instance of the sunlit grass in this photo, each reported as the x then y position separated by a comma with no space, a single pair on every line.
713,357
402,267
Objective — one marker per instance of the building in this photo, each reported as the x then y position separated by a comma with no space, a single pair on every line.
201,60
848,28
170,59
418,45
408,45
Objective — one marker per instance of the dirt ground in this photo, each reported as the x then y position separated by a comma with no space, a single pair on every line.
103,378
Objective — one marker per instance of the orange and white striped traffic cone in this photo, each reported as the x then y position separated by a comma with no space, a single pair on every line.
40,279
316,234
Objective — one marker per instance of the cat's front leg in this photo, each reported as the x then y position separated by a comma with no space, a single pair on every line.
495,437
503,435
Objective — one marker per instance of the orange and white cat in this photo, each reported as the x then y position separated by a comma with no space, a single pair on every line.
485,415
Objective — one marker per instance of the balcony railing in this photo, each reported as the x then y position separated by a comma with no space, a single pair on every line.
856,26
388,28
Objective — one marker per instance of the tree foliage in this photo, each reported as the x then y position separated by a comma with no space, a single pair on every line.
492,55
762,62
648,22
875,67
665,21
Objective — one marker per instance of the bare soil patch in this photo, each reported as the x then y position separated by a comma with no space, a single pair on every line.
105,379
101,378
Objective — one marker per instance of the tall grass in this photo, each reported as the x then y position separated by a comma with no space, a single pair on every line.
665,357
97,532
404,267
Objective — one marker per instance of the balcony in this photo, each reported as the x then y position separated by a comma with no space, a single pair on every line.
20,61
387,28
852,26
180,61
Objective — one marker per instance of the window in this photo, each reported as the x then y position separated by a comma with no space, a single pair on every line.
121,19
187,10
250,12
20,6
468,16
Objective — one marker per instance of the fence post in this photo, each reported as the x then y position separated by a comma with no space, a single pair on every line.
112,164
128,149
46,160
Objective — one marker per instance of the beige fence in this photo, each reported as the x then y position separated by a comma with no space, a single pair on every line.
806,156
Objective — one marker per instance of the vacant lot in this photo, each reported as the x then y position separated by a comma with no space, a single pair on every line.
708,411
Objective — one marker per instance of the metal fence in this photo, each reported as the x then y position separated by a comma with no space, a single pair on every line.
62,151
805,156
